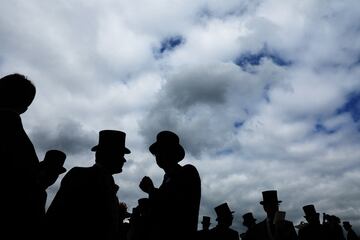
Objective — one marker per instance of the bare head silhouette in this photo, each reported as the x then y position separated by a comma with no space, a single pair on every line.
16,93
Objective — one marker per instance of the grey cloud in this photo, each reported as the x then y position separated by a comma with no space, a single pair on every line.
69,136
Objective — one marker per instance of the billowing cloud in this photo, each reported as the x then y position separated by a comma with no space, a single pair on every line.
263,94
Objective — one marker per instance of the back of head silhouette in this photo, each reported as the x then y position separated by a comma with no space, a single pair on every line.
16,93
111,149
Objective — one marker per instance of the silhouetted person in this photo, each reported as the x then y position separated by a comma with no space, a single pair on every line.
50,169
139,220
313,230
86,205
333,228
204,233
123,226
21,209
222,230
175,204
249,222
274,227
351,235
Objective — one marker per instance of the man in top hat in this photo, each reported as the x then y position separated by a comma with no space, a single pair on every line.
174,206
21,194
313,230
86,205
351,235
249,222
274,227
222,230
50,169
204,233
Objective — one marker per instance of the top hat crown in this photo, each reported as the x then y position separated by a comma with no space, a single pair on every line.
270,197
248,217
168,141
54,160
309,210
111,140
223,210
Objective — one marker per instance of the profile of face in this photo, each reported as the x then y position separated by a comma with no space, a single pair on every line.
164,159
271,209
111,160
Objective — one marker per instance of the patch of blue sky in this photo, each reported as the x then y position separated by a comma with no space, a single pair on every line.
352,106
238,124
250,58
320,128
168,45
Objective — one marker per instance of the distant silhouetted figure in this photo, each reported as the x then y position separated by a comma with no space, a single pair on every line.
333,228
351,235
175,204
139,220
21,209
274,227
313,230
249,222
222,230
204,233
86,205
123,226
50,169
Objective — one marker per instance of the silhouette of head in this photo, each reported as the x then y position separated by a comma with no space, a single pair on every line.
224,215
110,150
51,167
167,149
206,223
16,93
270,203
347,226
123,213
311,215
249,220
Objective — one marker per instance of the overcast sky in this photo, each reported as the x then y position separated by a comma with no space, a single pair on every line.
264,94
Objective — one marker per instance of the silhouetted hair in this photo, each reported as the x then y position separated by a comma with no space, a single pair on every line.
16,91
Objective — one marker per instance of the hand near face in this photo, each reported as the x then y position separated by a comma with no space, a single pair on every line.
146,184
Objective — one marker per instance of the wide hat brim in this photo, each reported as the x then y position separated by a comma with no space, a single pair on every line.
177,149
269,202
125,149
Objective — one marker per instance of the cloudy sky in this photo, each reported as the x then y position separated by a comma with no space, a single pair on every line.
264,94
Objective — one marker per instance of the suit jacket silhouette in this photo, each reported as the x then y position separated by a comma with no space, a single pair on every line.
85,207
312,232
284,231
175,205
20,188
222,233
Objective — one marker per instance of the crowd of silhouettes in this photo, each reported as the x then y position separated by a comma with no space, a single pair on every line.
86,205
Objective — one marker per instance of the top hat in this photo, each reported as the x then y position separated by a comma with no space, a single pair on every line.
205,220
248,218
111,140
309,210
168,141
223,210
54,161
270,197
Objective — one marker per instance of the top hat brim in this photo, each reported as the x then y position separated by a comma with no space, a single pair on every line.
179,150
95,148
263,202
